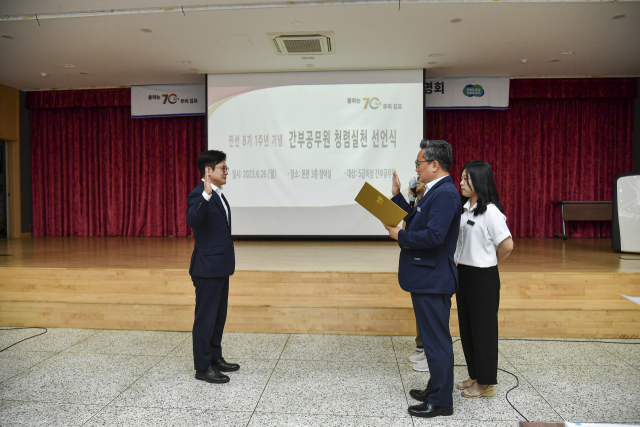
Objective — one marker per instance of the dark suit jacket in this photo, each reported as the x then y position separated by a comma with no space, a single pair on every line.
213,252
429,239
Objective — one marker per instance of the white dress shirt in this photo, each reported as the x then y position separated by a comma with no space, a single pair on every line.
480,236
428,185
218,191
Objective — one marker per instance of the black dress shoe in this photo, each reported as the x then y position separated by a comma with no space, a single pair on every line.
420,395
428,410
212,375
222,366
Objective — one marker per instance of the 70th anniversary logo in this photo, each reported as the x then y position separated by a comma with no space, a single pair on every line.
373,104
172,99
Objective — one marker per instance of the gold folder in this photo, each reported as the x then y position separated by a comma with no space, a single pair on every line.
380,205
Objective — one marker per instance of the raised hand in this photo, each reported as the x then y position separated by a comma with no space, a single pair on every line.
207,180
395,187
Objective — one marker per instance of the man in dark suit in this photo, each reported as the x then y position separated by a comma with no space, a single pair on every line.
212,262
428,271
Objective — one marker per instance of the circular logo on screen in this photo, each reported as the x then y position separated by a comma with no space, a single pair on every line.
473,90
173,98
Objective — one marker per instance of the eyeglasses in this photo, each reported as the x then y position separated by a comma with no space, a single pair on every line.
224,168
422,161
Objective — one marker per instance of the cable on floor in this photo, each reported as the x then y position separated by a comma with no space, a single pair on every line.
537,340
28,338
512,388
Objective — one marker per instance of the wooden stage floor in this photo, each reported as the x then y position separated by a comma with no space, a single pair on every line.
529,255
550,287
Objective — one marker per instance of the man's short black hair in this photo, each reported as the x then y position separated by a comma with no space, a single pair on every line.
210,158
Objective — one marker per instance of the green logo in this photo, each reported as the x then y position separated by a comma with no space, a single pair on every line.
473,90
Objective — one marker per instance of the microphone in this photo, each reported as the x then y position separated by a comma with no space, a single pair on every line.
413,184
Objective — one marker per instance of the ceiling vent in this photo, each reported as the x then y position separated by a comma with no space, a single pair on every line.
317,43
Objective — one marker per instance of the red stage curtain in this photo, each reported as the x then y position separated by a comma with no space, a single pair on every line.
560,139
98,172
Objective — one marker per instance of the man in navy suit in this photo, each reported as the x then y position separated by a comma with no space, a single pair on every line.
428,271
212,262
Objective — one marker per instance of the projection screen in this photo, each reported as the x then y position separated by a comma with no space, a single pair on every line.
301,145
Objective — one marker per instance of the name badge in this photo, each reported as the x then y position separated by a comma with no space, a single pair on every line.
419,210
471,223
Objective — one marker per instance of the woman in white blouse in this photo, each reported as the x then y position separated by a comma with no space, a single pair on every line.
484,240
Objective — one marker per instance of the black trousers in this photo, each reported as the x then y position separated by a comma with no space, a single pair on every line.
432,312
212,296
478,299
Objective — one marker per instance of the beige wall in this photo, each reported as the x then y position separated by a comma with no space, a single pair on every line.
10,132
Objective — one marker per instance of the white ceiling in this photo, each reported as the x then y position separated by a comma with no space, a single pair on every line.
491,40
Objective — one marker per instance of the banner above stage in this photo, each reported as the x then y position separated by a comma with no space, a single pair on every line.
168,100
467,92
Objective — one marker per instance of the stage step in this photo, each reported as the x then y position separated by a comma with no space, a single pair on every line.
532,304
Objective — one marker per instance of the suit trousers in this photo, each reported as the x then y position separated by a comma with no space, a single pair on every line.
212,296
433,312
478,299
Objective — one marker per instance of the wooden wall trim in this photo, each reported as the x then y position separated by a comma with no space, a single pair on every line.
9,113
10,132
14,206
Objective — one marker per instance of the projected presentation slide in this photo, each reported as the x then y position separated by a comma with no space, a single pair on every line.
300,146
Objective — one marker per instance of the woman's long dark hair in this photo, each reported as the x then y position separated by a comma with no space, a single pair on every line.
483,184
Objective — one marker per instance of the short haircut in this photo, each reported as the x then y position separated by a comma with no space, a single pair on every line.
210,158
437,149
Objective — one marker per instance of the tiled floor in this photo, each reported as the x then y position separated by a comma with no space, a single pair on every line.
74,377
